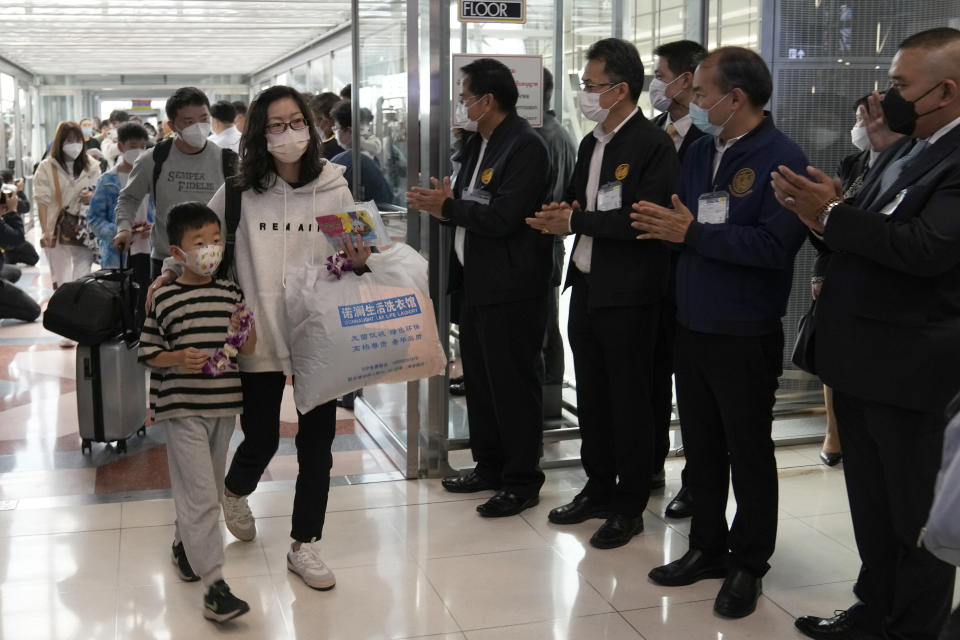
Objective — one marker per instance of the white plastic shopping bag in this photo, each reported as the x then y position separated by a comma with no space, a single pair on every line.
361,330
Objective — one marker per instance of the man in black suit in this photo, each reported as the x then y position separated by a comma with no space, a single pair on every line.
888,338
617,285
503,269
671,91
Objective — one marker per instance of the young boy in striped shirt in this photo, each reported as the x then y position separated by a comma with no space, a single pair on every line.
188,324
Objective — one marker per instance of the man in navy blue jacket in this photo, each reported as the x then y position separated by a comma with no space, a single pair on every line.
733,280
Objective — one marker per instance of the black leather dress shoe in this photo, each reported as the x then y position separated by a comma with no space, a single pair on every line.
738,595
505,504
469,482
659,480
581,508
845,625
692,567
616,531
682,505
458,387
831,459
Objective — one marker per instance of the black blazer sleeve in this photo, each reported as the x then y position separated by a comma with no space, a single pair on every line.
11,230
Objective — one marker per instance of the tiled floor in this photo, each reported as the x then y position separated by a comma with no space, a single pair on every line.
415,561
40,454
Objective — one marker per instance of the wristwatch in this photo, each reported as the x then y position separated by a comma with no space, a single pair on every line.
825,213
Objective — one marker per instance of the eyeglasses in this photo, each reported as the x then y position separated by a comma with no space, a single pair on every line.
588,86
279,127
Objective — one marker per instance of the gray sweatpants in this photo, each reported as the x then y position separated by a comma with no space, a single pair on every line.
197,455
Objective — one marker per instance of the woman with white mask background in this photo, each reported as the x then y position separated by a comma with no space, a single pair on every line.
285,184
852,172
62,188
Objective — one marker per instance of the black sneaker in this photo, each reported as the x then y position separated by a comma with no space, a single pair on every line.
179,560
220,605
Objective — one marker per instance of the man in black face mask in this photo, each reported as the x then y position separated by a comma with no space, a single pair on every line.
888,338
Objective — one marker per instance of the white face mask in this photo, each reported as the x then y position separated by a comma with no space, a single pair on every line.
462,119
205,260
196,134
658,93
288,146
72,149
131,155
590,105
860,138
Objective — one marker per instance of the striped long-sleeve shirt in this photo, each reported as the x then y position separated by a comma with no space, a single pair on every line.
198,316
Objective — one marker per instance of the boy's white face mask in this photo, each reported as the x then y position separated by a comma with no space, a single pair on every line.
205,260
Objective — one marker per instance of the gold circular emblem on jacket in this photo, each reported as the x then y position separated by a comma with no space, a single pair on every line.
486,176
622,171
742,182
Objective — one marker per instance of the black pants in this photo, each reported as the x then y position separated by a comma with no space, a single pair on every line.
891,457
16,304
140,263
23,253
661,387
500,347
553,357
726,387
156,268
951,631
262,395
613,359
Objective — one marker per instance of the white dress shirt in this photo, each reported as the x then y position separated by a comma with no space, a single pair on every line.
229,138
584,251
680,127
459,238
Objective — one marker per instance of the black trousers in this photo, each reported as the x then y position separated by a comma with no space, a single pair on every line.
500,346
891,457
140,263
260,422
553,357
613,359
16,304
156,268
726,388
23,253
661,386
951,631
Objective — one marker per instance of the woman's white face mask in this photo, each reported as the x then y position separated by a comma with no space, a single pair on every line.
288,146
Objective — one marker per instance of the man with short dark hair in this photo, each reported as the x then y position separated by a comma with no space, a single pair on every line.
321,105
888,337
502,268
734,276
671,92
617,285
108,144
190,170
222,117
375,186
241,119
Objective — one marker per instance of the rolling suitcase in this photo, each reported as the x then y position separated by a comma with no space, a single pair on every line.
111,394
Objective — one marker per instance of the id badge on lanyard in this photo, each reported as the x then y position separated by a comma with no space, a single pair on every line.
610,196
713,207
476,195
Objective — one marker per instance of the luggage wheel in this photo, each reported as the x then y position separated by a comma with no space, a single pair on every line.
86,445
142,431
121,446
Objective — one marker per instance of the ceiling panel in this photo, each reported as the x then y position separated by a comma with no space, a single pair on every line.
75,37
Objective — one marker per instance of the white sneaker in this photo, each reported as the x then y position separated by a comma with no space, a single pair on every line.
306,563
67,343
239,519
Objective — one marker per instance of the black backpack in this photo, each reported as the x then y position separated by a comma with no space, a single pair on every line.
228,160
